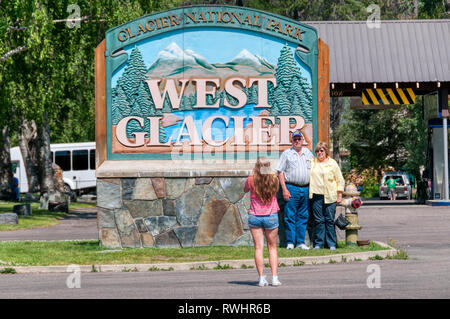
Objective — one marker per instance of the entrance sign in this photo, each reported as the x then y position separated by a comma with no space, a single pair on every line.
186,100
207,82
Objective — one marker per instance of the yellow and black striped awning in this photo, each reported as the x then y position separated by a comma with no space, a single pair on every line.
388,96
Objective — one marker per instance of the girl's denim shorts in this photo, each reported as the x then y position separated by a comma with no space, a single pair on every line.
266,221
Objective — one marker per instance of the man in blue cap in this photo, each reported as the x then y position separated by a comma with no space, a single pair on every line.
293,172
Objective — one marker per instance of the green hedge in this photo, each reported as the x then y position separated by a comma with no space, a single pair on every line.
370,188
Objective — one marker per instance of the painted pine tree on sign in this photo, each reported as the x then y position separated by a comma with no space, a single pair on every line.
145,101
293,94
286,68
134,74
121,107
131,97
306,99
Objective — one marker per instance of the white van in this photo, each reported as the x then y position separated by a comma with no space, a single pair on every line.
77,160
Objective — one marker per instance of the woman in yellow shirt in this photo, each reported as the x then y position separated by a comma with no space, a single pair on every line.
325,191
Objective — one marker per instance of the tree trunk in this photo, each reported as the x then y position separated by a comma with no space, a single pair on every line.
45,161
28,146
336,105
6,174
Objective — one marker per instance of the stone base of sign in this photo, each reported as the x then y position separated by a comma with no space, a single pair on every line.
174,211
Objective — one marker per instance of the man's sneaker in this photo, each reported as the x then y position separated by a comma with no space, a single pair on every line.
302,246
317,248
332,248
276,282
290,246
263,281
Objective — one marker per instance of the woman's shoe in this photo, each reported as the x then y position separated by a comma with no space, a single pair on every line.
263,281
276,282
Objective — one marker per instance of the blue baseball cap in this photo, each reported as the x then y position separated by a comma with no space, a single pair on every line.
297,134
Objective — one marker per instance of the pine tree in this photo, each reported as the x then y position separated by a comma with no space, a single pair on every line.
252,95
184,103
145,101
296,108
193,99
306,100
275,111
295,91
133,125
167,105
134,74
222,97
120,106
210,99
282,102
286,68
286,94
270,93
115,108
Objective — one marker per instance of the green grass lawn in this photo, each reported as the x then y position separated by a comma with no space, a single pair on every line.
39,218
34,253
31,253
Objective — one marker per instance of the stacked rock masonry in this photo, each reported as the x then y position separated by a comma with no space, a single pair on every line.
173,212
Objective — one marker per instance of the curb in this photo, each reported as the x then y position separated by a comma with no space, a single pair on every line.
208,265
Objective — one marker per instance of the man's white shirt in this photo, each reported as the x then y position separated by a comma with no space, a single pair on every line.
296,167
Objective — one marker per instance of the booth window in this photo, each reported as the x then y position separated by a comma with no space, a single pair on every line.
80,160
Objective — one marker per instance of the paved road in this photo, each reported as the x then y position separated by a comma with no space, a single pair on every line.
78,224
422,231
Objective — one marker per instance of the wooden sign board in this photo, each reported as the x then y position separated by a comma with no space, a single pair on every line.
209,81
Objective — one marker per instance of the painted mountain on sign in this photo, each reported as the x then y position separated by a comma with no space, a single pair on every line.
246,58
173,62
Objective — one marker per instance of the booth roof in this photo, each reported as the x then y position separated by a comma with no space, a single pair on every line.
397,51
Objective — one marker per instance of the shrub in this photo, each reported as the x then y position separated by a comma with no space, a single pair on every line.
370,188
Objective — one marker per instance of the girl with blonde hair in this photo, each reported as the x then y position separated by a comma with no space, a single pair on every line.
263,217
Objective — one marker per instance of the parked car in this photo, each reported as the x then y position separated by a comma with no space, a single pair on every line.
403,185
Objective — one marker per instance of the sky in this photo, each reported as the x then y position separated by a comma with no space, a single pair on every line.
217,45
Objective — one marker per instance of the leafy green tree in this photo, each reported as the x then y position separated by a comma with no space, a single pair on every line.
47,60
381,138
434,9
47,70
